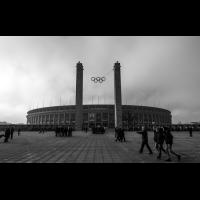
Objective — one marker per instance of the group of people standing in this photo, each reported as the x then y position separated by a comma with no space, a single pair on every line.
85,129
119,135
63,131
162,135
9,132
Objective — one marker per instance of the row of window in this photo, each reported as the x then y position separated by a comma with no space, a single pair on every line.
99,117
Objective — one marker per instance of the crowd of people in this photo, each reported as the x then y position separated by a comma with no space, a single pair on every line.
162,135
42,130
163,138
119,135
85,129
63,131
9,133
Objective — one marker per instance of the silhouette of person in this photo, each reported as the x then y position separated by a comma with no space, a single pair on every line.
169,143
160,142
64,131
11,133
120,134
144,140
56,131
7,135
67,131
59,131
190,131
70,131
117,134
155,138
19,131
123,135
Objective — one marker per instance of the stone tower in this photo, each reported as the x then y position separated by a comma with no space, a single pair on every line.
117,94
79,96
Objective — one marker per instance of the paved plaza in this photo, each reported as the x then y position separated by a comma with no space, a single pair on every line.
32,147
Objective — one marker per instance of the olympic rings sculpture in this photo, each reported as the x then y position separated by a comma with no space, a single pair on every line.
98,79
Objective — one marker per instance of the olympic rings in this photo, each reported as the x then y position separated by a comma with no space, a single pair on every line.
98,79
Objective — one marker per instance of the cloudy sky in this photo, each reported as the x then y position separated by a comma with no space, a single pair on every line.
156,71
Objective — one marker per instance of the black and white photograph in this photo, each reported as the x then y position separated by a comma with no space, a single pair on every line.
100,99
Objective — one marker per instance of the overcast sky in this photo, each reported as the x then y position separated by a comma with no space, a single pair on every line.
156,71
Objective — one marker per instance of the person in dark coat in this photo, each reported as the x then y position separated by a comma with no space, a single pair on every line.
62,131
93,130
56,131
117,134
155,138
65,131
19,131
11,133
59,131
70,131
169,143
190,131
123,135
160,142
7,135
144,140
120,134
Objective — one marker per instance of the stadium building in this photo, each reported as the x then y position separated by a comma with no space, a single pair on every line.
79,115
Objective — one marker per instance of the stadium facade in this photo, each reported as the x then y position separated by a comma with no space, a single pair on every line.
79,115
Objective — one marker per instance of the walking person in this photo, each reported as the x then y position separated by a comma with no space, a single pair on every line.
160,142
7,135
11,133
123,135
169,143
59,131
117,134
19,131
190,131
56,132
65,131
120,134
62,131
144,140
69,131
155,138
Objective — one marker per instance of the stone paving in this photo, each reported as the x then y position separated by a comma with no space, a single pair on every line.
32,147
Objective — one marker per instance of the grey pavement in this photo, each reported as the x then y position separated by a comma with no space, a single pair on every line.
32,147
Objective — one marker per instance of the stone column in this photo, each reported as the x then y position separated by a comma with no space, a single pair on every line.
65,118
79,96
59,119
118,95
54,119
